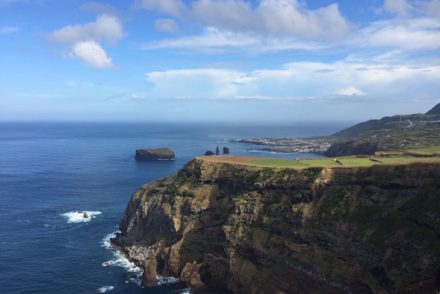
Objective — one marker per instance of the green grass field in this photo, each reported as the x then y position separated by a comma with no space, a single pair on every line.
433,151
349,161
344,162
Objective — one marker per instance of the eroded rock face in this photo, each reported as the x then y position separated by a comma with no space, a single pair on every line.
220,227
151,154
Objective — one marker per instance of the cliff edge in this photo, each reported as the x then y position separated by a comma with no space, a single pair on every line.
229,227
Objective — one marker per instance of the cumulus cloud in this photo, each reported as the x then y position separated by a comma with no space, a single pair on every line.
106,27
166,25
83,39
92,54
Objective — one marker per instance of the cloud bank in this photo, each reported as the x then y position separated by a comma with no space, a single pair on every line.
301,81
279,25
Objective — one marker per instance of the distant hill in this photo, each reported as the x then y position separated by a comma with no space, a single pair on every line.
435,110
396,133
393,122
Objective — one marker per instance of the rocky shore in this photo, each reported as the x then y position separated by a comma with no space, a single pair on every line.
224,227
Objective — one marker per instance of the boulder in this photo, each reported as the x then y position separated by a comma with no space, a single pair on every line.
150,154
209,153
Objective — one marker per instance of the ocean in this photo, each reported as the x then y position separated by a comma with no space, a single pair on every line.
51,172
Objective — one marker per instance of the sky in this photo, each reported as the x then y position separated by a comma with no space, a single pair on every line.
218,60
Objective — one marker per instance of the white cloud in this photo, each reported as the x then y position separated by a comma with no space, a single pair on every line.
9,30
197,83
411,34
214,40
399,7
275,25
166,25
106,27
290,18
433,8
275,17
171,7
300,81
92,54
83,39
351,91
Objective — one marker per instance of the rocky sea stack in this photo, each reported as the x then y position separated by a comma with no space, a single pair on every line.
224,227
151,154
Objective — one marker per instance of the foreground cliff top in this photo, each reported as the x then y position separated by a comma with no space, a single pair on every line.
349,161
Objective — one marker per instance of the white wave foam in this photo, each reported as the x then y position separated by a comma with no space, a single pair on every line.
121,261
161,280
80,216
104,289
106,241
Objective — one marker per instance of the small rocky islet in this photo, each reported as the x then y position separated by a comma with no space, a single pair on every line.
154,154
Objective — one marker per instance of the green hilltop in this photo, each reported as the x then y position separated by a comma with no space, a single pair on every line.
396,133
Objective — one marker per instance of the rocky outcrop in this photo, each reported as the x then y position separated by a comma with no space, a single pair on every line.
151,154
222,227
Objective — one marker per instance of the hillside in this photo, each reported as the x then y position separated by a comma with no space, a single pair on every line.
396,133
221,225
435,110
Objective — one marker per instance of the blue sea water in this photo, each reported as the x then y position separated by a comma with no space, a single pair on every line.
50,170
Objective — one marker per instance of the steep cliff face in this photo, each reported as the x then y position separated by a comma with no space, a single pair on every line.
222,227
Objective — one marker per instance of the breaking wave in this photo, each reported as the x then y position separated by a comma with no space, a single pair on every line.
80,216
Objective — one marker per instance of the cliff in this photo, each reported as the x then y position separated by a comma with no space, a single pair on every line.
227,227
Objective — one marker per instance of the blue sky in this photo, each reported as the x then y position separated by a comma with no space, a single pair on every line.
230,60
